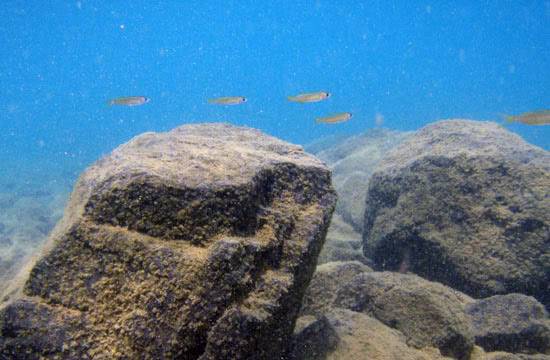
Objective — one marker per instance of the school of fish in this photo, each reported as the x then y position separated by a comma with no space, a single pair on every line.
236,100
541,117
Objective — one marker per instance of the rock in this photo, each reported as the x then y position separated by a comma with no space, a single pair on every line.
464,203
343,243
327,280
509,356
428,314
313,339
511,323
197,243
352,161
364,338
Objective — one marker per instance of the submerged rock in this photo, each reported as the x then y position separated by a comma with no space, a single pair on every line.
464,203
343,243
428,314
362,337
352,161
197,243
512,323
314,338
327,280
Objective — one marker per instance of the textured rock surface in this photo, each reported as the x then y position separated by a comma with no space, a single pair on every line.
352,161
467,204
512,323
364,338
196,243
343,243
428,314
326,281
314,338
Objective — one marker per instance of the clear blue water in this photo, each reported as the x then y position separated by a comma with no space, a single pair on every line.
414,62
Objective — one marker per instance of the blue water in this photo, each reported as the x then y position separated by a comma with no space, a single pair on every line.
413,62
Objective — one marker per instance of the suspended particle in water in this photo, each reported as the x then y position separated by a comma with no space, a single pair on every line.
378,119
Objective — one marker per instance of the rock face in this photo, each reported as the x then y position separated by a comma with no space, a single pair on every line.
326,281
197,243
364,338
512,323
467,204
427,313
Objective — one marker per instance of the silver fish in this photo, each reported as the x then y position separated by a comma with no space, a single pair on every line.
309,97
130,101
541,117
228,100
334,119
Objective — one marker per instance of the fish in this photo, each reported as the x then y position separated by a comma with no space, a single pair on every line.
334,119
309,97
541,117
130,101
228,100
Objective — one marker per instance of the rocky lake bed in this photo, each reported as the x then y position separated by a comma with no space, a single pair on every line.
213,241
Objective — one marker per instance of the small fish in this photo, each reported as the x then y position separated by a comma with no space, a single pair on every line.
310,97
130,101
531,118
228,100
334,119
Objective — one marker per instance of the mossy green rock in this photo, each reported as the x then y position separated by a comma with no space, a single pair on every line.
197,243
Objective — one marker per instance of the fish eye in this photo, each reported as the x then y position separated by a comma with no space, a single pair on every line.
244,99
328,94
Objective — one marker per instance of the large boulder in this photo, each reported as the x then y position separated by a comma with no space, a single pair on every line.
465,203
512,323
197,243
428,314
362,337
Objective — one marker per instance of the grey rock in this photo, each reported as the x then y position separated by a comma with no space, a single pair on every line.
327,280
343,243
314,338
427,313
362,337
511,323
197,243
464,203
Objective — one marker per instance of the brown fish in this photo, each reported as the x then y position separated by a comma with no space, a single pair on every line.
541,117
130,101
228,100
309,97
334,119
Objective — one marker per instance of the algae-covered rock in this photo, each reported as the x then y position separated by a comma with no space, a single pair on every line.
512,323
428,314
327,280
362,337
343,243
197,243
314,337
467,204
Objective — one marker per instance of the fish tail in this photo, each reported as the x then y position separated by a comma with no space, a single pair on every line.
292,98
318,120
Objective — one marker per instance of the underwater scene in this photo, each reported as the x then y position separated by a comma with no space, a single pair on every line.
283,180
